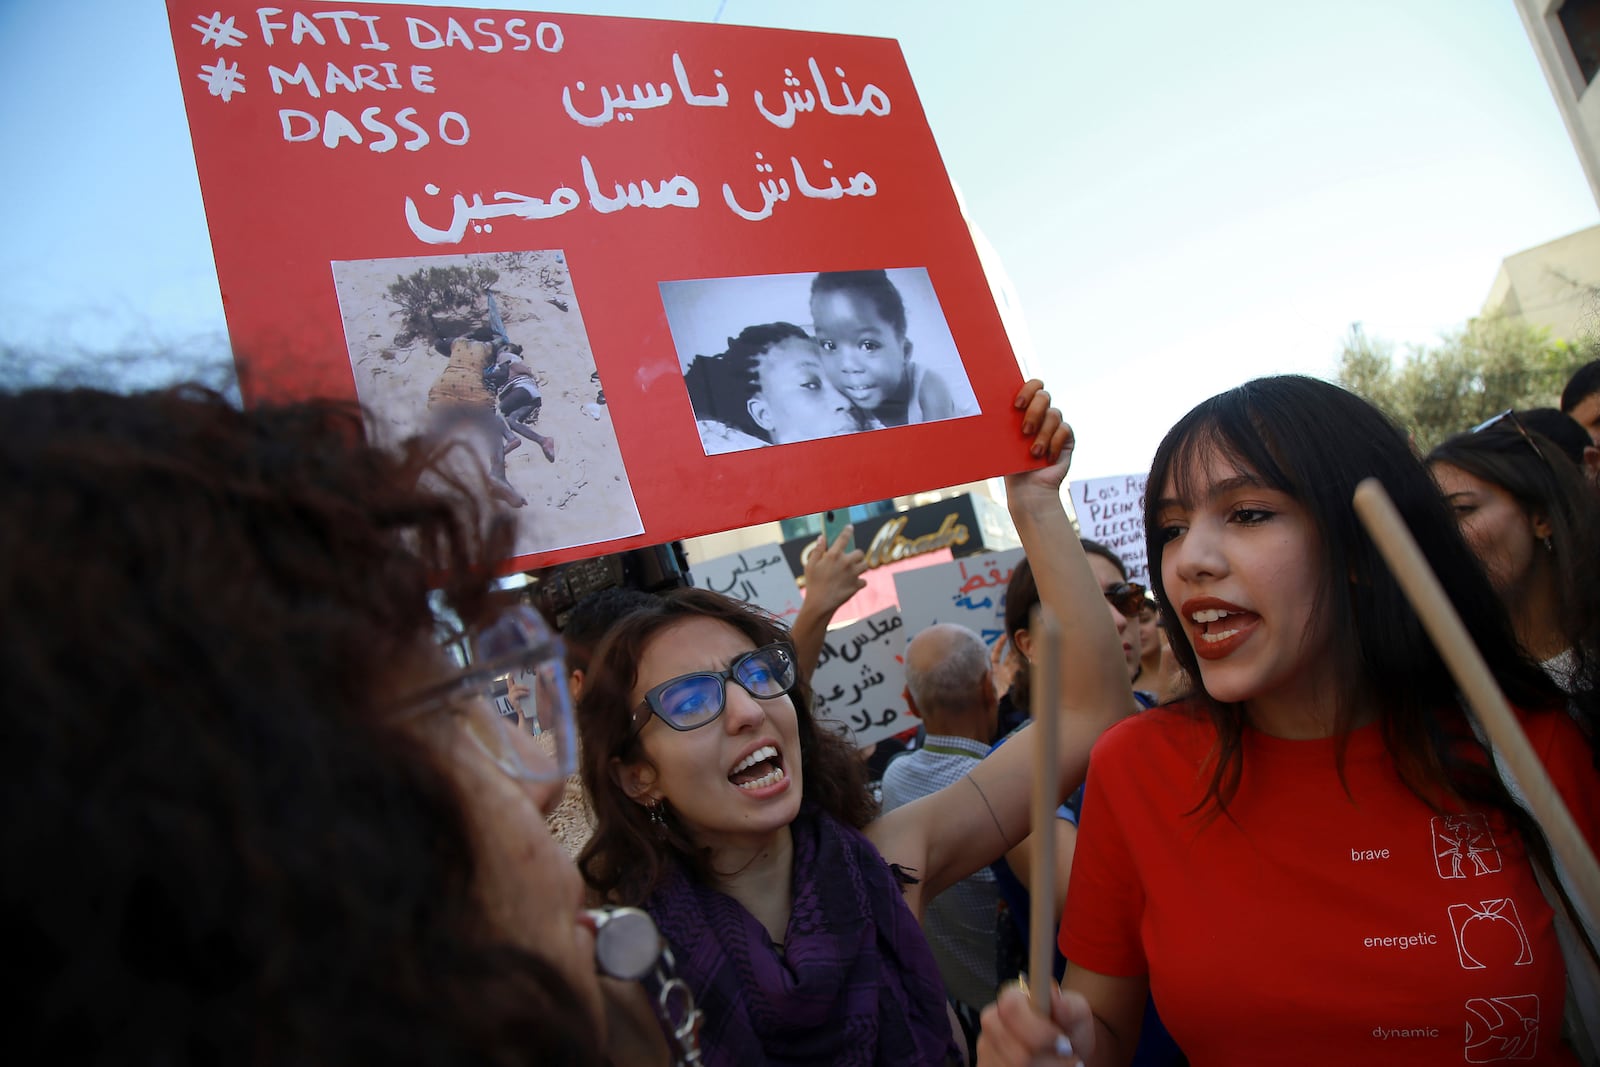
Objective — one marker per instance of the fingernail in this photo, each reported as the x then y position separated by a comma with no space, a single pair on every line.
1037,450
1063,1046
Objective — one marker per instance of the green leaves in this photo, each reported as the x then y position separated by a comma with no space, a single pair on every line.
1493,363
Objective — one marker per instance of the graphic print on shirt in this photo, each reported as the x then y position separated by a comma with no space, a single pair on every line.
1463,845
1490,931
1502,1029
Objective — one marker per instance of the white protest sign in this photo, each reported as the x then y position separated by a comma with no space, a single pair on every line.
1111,511
970,591
759,576
861,678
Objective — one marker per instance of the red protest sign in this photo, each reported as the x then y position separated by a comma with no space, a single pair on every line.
663,278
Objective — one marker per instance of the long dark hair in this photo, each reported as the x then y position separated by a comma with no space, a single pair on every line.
627,858
1546,483
218,845
1279,428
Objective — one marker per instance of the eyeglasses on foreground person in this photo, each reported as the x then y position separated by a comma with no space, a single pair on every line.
270,812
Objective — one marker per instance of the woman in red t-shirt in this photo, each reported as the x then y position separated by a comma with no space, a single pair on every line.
1311,858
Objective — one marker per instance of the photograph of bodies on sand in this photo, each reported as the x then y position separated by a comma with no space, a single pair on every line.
491,350
779,358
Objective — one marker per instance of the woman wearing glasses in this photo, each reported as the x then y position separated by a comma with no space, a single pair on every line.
746,830
1534,523
253,811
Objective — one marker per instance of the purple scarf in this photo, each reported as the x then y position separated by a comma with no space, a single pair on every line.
857,983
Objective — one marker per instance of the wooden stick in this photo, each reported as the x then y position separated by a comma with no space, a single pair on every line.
1472,674
1046,710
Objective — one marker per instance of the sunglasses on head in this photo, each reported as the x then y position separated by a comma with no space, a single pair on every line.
1509,416
1126,597
692,700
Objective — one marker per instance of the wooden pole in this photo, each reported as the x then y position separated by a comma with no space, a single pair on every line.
1046,709
1472,674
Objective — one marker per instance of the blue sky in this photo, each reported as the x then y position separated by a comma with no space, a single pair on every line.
1184,195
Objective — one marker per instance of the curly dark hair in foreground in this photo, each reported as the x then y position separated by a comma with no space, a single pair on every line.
218,847
626,860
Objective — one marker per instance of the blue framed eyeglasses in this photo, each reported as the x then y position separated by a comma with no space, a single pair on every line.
692,700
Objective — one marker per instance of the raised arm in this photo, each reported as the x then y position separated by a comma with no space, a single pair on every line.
833,576
971,823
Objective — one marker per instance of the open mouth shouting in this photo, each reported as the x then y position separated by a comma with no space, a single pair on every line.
1218,627
760,772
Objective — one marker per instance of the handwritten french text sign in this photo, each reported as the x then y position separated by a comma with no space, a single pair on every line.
571,166
860,680
970,591
759,576
1111,511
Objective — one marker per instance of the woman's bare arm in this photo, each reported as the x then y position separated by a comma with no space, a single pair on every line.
968,825
1020,860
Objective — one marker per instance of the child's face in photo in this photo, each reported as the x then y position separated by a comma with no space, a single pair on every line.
795,401
864,356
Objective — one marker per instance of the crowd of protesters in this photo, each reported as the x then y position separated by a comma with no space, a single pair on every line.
265,802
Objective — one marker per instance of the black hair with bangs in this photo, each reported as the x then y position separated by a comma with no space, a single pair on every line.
1315,442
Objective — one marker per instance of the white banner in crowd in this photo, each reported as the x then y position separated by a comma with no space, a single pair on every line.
970,591
860,678
759,576
1111,511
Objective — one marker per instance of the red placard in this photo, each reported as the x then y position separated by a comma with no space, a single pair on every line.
633,194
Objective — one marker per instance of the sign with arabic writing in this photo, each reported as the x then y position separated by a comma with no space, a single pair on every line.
1111,511
860,679
541,236
970,591
758,576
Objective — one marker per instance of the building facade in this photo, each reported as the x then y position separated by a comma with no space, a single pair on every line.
1553,285
1566,39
